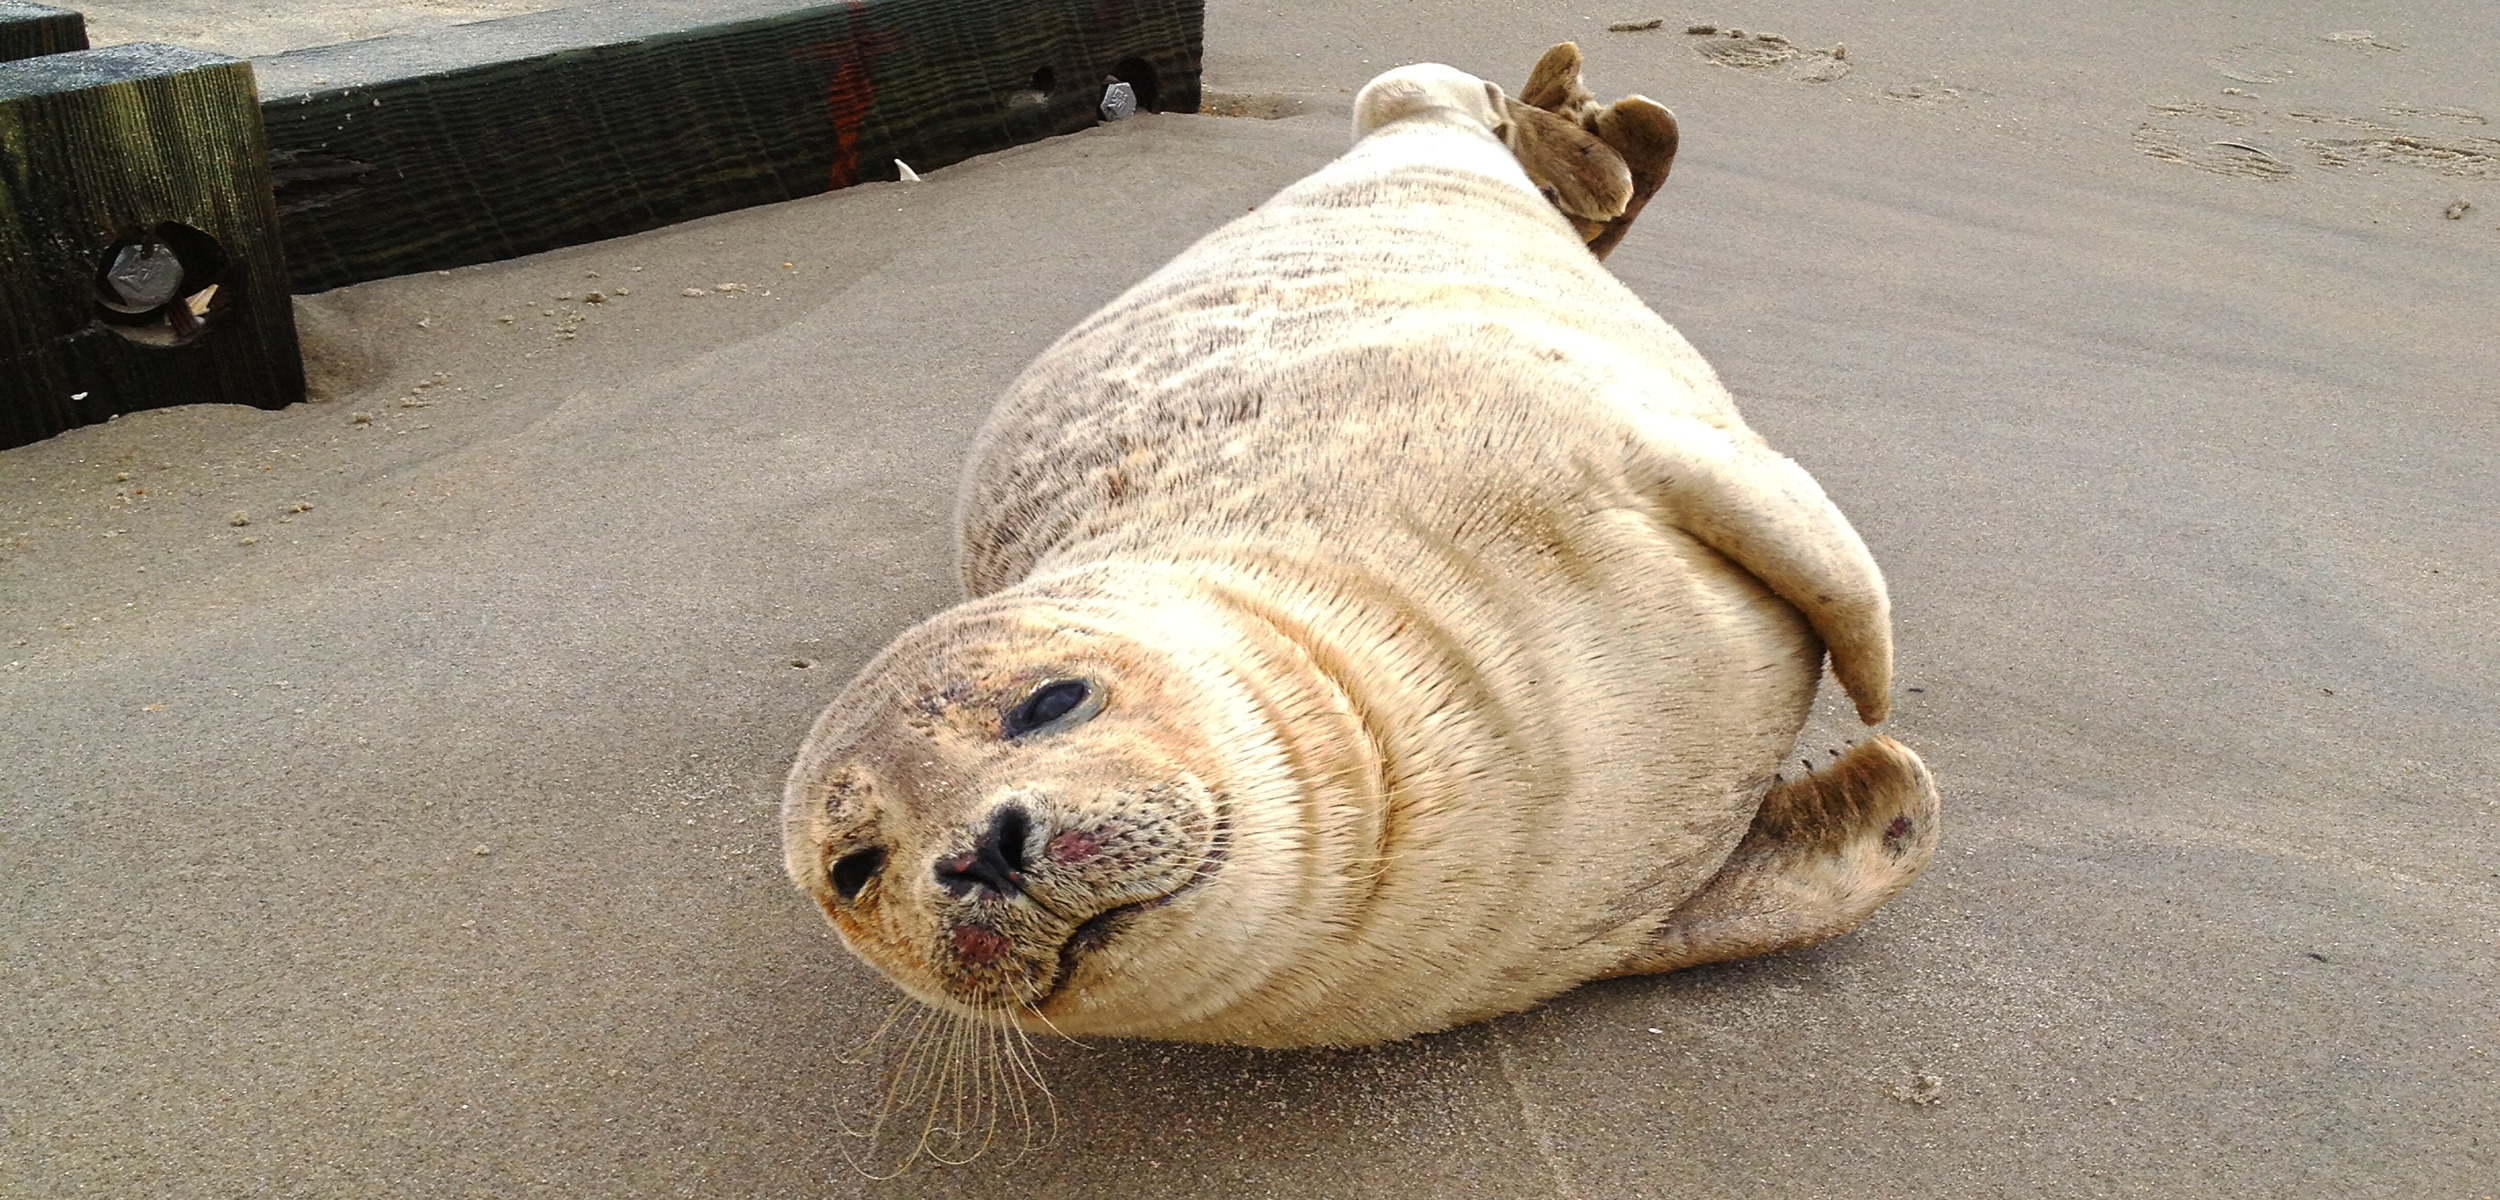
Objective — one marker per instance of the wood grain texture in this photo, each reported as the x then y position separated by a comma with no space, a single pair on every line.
29,30
503,138
98,146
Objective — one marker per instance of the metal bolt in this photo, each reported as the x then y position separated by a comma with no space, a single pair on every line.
1119,102
144,276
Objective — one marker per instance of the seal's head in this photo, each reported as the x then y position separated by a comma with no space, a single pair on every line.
1022,807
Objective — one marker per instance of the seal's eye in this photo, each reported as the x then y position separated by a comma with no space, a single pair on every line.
852,871
1054,705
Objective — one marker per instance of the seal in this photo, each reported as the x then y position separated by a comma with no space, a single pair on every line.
1378,620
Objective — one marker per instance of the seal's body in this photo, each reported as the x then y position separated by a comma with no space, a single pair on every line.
1379,620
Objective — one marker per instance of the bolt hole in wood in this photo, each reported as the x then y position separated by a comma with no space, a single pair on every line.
1139,75
160,287
1036,92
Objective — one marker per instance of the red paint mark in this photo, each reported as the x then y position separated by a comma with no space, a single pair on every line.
853,87
1075,846
980,947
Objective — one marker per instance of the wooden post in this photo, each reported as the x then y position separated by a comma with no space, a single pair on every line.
29,30
501,138
139,250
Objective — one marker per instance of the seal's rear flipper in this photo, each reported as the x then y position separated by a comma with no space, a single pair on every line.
1825,851
1635,132
1578,174
1643,132
1597,164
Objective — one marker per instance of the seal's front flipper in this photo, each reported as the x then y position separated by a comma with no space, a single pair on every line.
1723,487
1825,851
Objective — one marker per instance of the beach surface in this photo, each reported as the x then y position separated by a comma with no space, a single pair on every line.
393,779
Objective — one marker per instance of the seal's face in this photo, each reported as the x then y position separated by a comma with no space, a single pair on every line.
989,810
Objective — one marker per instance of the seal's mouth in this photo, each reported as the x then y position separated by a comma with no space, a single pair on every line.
1093,935
1100,929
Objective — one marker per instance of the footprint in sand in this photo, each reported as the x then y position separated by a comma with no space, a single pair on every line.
2342,120
1769,53
1925,91
2461,116
2227,114
2222,156
2360,39
2253,64
2270,147
2258,140
2466,157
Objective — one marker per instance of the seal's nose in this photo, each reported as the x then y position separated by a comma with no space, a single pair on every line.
996,860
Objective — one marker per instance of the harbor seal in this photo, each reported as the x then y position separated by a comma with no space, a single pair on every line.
1378,620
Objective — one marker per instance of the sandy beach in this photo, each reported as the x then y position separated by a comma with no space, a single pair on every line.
394,777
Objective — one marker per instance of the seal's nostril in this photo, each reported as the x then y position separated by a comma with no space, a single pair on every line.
1009,827
996,860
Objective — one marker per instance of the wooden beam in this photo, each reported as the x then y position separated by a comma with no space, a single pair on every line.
30,30
138,246
503,138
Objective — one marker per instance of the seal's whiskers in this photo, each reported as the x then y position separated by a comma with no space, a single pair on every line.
950,1082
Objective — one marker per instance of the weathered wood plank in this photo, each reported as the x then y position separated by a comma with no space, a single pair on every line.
138,244
29,30
508,137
